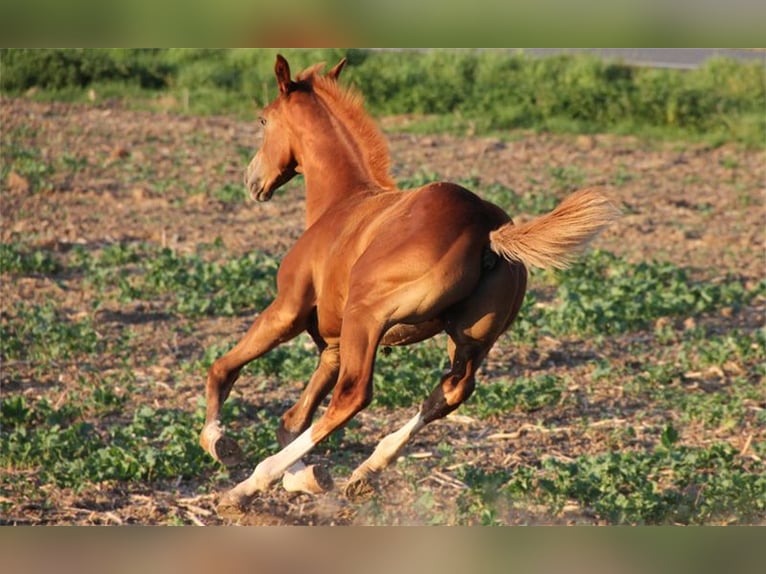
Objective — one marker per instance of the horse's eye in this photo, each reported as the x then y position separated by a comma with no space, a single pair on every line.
262,120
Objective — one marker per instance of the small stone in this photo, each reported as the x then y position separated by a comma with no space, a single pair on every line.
18,182
119,152
585,142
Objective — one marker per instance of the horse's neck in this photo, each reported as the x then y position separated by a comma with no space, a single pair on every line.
334,170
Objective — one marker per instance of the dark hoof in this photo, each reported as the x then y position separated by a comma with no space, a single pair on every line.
323,478
232,507
227,451
359,490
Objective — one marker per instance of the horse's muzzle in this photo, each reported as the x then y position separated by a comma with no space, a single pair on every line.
254,182
258,191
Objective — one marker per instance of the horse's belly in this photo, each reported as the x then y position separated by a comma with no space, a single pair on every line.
402,334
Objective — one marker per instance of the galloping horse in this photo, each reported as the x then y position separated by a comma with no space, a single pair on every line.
376,266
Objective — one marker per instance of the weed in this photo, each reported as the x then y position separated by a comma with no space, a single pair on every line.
405,376
26,162
41,333
602,293
525,394
230,194
704,484
16,259
65,447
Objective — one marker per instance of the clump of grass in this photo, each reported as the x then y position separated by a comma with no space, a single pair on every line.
43,333
603,293
70,447
671,484
17,259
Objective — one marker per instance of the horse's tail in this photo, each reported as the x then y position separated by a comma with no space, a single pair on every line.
553,239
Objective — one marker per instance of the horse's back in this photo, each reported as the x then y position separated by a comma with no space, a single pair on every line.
434,219
425,251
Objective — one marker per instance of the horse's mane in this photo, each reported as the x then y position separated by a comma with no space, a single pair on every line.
348,106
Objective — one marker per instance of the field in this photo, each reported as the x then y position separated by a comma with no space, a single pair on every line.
631,390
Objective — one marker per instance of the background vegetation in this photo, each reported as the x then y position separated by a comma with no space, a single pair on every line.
455,90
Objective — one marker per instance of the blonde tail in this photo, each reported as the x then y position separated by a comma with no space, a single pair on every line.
553,239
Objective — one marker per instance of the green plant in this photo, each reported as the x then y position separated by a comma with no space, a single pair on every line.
526,394
405,376
604,294
42,333
16,259
705,484
721,101
64,445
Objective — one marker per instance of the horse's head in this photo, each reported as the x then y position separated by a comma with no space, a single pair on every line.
275,163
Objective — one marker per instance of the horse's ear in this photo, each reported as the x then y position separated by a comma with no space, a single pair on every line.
282,71
337,69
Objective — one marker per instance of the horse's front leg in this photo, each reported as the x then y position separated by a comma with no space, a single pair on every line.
299,477
280,322
353,391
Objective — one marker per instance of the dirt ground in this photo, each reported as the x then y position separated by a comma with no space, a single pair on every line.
123,176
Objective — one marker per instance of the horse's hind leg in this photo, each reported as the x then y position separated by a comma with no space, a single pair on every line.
278,323
454,388
474,327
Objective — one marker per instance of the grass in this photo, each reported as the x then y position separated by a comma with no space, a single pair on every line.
452,91
670,484
97,435
604,294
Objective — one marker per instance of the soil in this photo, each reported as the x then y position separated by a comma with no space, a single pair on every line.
149,176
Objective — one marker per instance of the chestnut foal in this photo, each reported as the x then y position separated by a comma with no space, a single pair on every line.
376,266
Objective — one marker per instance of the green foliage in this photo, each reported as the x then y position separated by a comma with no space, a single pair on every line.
56,69
671,484
526,394
405,376
602,293
198,287
708,399
43,333
292,361
16,259
230,194
490,90
26,162
69,448
192,285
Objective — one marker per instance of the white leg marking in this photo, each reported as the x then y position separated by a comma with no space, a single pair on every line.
272,468
294,477
388,448
313,479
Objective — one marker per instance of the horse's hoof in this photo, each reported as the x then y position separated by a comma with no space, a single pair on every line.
359,490
227,451
313,479
322,479
232,506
